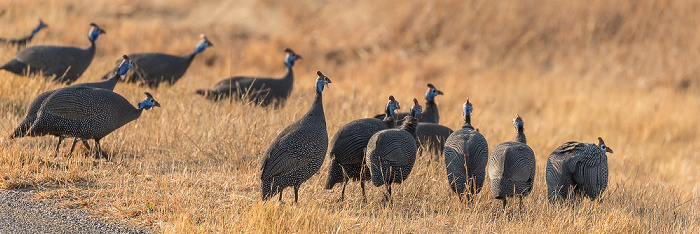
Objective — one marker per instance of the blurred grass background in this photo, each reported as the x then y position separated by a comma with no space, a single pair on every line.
574,70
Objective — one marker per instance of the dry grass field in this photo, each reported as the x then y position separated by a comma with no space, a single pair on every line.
628,71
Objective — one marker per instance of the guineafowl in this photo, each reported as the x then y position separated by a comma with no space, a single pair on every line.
430,114
86,113
24,126
512,166
298,151
347,151
466,155
262,91
431,138
64,64
22,42
392,106
391,153
156,68
581,165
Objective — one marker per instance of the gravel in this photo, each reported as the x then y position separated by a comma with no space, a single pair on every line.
19,213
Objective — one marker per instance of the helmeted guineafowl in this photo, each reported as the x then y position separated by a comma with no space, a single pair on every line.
156,68
430,112
347,151
466,155
431,138
512,166
65,64
86,113
581,165
24,126
391,153
22,42
392,106
298,151
262,91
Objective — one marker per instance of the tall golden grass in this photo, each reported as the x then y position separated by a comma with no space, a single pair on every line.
627,71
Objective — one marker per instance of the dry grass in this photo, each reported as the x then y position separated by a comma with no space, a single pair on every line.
575,70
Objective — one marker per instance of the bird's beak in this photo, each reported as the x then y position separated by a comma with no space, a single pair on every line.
156,104
608,149
440,93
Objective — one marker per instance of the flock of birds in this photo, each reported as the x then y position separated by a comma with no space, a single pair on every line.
382,149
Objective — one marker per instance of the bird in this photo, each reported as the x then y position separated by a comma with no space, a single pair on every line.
157,68
22,42
298,151
431,138
261,91
512,166
347,149
392,106
583,166
23,128
466,154
391,153
86,113
430,114
65,64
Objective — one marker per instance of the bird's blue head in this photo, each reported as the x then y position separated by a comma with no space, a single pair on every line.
321,81
467,108
39,27
95,32
148,103
290,57
126,65
518,122
432,92
417,109
602,145
203,44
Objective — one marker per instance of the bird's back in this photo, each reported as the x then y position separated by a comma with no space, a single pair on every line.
511,169
466,155
391,154
83,112
581,164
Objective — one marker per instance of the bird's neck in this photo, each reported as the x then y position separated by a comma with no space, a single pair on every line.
520,136
410,126
467,121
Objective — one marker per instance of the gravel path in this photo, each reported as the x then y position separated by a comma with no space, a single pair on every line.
21,214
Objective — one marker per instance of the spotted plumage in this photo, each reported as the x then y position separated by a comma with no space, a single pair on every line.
64,64
511,166
466,155
22,42
431,139
86,113
347,150
298,151
157,68
31,115
429,113
391,153
581,168
258,90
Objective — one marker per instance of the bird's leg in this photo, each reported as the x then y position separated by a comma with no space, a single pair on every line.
60,139
504,204
85,143
520,205
280,199
362,185
72,147
342,194
296,194
99,153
